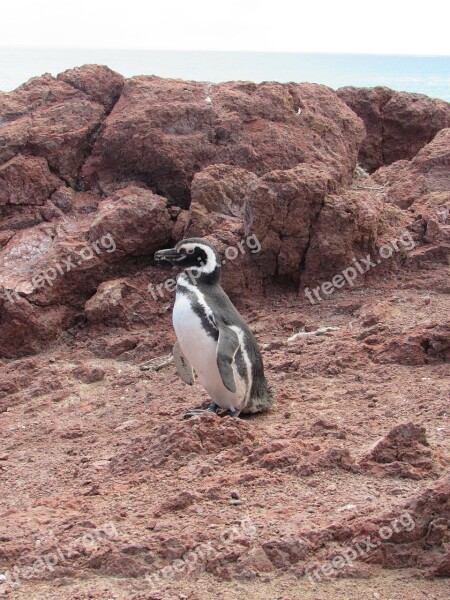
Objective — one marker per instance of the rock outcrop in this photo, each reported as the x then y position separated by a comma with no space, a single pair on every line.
263,171
398,124
426,175
162,132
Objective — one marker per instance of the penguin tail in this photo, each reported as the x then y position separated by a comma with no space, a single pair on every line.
262,401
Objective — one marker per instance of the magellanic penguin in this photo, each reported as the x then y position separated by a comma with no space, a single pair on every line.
213,339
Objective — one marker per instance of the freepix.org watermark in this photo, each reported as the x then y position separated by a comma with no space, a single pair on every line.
361,548
231,253
192,560
49,561
347,276
56,269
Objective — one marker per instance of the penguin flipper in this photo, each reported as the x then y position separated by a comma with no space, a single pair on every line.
184,369
227,347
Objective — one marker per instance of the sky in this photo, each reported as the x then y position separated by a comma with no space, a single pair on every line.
345,26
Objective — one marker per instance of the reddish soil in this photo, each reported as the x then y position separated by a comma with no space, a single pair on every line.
90,440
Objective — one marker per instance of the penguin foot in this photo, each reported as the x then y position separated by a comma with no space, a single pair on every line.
196,412
212,408
233,412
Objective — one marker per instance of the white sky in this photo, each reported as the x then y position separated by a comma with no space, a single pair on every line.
354,26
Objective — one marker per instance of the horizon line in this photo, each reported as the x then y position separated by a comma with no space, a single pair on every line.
217,51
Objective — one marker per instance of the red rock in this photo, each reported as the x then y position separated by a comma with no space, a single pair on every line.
13,135
398,442
285,551
218,197
255,127
129,301
116,563
5,236
269,209
426,173
177,502
26,329
346,227
49,264
34,94
50,212
135,218
26,180
177,441
442,569
180,226
403,447
418,346
62,133
99,82
107,303
89,373
49,118
398,124
257,561
248,126
408,532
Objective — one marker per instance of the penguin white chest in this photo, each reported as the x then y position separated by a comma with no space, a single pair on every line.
198,347
200,350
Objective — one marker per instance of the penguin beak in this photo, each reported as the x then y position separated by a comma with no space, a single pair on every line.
171,256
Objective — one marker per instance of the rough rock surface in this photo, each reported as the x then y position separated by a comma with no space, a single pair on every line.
26,180
96,462
99,82
403,452
255,127
218,198
426,174
271,204
398,124
53,268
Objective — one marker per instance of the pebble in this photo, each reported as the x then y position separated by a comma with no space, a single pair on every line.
346,507
126,425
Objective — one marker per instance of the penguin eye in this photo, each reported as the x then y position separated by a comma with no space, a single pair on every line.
190,250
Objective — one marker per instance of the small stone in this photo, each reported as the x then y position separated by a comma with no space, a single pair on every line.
235,495
126,425
346,507
235,502
395,492
89,373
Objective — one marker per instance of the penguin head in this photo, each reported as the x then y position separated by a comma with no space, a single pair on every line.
192,253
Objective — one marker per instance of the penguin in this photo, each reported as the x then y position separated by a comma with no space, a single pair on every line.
213,341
